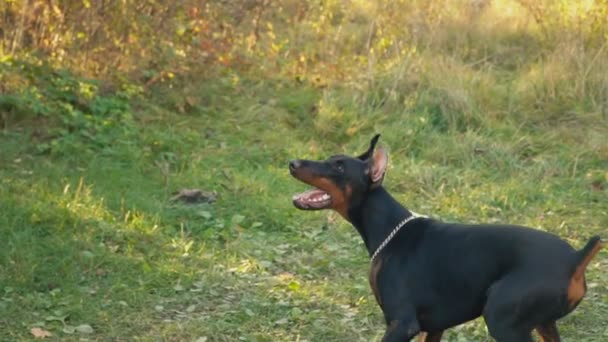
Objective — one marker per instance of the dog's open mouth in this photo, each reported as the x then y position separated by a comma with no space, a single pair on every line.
314,199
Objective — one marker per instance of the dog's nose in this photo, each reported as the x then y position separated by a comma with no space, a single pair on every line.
294,164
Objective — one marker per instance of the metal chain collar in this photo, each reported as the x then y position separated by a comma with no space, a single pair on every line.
393,233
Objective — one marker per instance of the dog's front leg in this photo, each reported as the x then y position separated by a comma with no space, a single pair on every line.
401,330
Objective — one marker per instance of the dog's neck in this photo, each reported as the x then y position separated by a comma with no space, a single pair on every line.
376,216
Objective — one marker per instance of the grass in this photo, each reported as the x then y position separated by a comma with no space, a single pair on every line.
93,240
487,116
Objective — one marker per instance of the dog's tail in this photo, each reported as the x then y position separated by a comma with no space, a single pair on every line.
585,255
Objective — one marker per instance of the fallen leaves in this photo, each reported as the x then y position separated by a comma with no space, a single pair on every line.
40,333
281,321
84,329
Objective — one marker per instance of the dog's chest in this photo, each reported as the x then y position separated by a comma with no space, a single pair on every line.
374,273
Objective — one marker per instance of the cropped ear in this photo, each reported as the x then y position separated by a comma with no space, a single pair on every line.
377,168
372,145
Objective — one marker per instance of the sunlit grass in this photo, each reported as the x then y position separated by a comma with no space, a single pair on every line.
250,266
487,116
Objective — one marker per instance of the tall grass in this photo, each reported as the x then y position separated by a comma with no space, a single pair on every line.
492,111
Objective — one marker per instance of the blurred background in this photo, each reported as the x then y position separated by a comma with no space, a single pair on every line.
492,110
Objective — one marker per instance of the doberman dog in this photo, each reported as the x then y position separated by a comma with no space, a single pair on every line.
428,276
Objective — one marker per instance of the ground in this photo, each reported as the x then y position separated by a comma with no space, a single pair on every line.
93,248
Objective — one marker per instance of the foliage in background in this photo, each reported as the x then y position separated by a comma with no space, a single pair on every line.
494,111
71,114
536,61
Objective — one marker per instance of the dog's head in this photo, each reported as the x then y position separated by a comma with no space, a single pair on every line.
340,180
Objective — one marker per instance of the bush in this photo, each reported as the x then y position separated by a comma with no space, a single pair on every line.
69,113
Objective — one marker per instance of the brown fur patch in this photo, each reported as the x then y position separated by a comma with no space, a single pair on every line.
342,206
577,287
373,278
339,198
433,337
548,332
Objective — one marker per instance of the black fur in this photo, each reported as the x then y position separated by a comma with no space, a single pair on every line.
434,275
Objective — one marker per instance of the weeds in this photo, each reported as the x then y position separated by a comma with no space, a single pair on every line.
73,114
488,115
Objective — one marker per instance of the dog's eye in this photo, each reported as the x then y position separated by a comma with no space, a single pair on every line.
340,166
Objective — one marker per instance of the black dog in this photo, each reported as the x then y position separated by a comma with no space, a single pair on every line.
429,276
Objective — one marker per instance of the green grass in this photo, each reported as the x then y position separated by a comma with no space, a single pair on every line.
489,115
91,238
